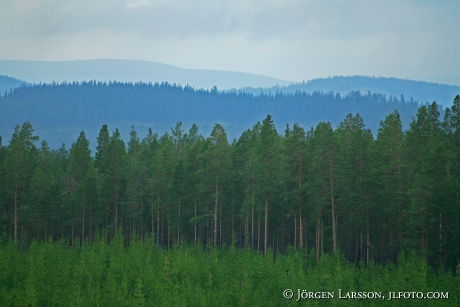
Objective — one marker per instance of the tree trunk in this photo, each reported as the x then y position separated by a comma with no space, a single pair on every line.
233,226
83,228
90,225
16,204
318,238
246,232
151,220
333,213
322,236
220,225
215,213
116,212
440,237
169,229
305,230
178,227
142,214
72,232
300,228
195,226
301,239
295,232
368,242
252,217
258,231
266,225
158,218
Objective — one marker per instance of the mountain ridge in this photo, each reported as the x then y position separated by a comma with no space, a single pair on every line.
131,71
416,90
120,70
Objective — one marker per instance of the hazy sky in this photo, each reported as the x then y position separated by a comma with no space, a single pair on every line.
288,39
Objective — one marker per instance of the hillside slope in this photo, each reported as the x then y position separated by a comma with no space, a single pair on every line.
130,71
60,111
8,83
424,92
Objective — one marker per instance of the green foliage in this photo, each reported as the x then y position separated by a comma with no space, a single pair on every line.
54,274
328,190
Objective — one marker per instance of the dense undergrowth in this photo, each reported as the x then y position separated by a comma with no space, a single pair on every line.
143,274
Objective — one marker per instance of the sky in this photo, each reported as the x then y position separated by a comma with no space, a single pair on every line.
293,40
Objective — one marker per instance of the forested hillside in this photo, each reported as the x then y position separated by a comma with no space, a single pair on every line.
328,190
60,111
409,90
7,84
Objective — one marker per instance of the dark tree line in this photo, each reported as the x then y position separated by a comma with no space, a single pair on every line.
61,111
328,189
420,91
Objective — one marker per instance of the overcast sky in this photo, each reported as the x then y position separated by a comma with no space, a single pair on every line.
287,39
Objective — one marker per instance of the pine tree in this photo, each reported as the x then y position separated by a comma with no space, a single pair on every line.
148,158
323,183
111,159
45,193
294,177
136,185
102,149
163,173
423,152
19,167
218,163
450,188
354,143
245,163
194,147
268,169
391,186
117,177
80,168
178,192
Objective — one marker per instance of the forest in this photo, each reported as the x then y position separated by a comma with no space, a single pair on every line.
59,111
101,274
423,92
277,209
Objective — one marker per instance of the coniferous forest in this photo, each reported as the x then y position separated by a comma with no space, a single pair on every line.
59,111
183,219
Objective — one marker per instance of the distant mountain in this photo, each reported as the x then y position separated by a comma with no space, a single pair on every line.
8,83
60,111
145,71
131,71
424,92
